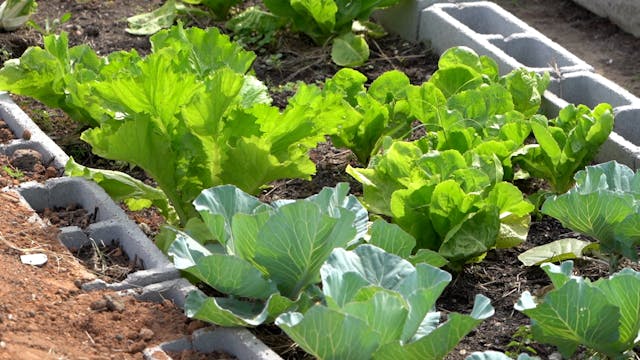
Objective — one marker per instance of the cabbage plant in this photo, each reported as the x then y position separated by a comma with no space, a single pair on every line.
605,205
267,257
379,306
603,316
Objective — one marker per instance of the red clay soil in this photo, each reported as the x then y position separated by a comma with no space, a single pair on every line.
43,315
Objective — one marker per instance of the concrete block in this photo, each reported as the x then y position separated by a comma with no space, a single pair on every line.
403,19
19,122
175,290
64,191
621,150
539,55
238,342
72,237
589,89
624,13
132,240
490,30
111,225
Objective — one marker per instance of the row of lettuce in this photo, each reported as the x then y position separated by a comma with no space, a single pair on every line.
195,119
344,25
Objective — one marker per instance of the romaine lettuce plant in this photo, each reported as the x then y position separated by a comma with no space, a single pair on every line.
603,316
605,205
466,104
268,257
451,203
460,69
14,13
378,306
329,20
565,144
368,115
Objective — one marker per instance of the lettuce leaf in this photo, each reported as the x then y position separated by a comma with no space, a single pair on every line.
565,144
368,116
451,203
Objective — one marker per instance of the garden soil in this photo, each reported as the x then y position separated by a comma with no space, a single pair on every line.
44,315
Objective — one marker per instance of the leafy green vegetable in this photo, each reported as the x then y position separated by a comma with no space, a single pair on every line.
349,50
329,20
370,115
51,74
379,306
450,202
558,250
565,144
197,119
268,257
392,239
14,13
574,313
604,204
255,26
465,105
122,187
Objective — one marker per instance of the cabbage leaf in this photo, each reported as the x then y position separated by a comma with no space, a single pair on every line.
379,306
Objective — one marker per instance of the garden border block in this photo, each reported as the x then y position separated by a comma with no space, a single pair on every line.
490,30
175,290
403,19
235,341
112,224
238,342
19,122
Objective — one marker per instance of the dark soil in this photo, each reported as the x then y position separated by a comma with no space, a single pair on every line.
72,215
6,134
13,175
330,170
194,355
107,261
500,276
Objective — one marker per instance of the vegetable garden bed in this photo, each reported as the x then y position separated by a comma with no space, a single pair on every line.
500,275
